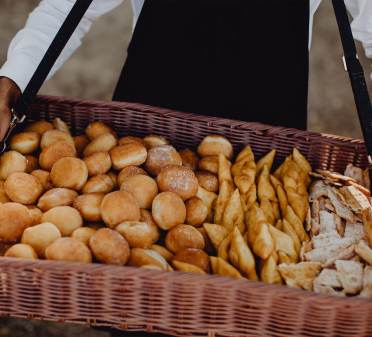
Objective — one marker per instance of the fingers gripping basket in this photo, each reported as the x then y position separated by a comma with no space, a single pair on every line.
177,303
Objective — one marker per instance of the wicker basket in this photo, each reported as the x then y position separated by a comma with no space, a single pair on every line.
177,303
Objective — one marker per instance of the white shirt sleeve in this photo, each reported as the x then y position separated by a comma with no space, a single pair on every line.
30,44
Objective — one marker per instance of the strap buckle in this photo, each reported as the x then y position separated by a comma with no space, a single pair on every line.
14,121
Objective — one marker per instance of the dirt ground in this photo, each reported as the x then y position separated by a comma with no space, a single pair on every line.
92,73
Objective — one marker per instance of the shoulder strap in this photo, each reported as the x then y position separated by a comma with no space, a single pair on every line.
67,29
356,74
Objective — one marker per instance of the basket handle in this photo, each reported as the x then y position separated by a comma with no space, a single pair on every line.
354,68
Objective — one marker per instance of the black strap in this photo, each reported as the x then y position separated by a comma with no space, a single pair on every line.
356,74
55,49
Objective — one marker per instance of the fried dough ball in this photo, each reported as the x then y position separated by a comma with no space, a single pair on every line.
182,237
196,212
98,163
14,219
128,172
83,234
138,234
130,139
56,197
21,251
96,129
23,188
51,154
209,164
103,143
108,246
168,210
189,159
131,154
68,249
44,178
178,179
35,213
11,162
208,181
143,188
141,257
154,140
213,145
39,237
89,206
161,156
65,218
196,257
40,127
51,137
32,163
119,206
25,142
3,196
69,173
101,183
81,143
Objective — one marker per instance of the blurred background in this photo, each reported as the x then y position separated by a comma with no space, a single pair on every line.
93,71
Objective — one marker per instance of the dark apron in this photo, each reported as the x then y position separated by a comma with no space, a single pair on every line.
239,59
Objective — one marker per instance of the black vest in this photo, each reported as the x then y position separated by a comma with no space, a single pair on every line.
239,59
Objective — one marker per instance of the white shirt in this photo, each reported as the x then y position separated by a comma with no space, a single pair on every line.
29,45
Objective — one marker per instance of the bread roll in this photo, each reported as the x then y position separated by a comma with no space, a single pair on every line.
32,163
101,183
108,246
161,156
196,212
189,159
132,154
3,196
209,164
25,142
209,248
96,129
11,162
141,257
98,163
36,214
129,171
56,197
61,125
182,237
146,216
44,178
208,181
21,251
83,234
214,145
178,179
40,127
153,141
196,257
14,219
68,249
103,143
143,188
138,234
164,252
89,206
23,188
51,154
39,237
130,139
69,173
168,210
114,179
65,218
55,136
81,143
119,206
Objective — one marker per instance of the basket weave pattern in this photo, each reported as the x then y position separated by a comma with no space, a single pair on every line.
177,303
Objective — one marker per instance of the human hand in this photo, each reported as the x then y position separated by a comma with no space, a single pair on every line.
9,93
